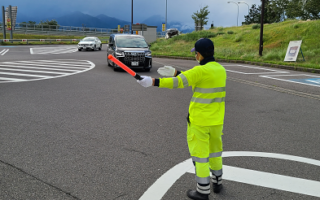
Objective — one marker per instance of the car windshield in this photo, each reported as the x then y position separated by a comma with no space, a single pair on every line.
88,39
131,42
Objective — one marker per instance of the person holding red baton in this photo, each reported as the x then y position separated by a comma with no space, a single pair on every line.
206,114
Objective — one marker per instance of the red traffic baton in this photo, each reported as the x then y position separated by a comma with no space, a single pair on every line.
124,67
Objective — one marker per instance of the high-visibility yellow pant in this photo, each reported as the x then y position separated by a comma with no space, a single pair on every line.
205,147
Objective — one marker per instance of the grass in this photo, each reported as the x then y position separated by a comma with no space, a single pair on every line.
27,36
243,44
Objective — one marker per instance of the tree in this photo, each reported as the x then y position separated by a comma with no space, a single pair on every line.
201,17
53,24
303,9
312,9
254,15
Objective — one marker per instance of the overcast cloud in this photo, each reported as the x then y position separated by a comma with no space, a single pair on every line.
221,12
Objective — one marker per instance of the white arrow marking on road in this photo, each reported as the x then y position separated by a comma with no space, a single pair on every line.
264,179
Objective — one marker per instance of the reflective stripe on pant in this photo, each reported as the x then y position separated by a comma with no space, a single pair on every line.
205,147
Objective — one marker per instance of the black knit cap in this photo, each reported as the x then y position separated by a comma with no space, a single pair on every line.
205,47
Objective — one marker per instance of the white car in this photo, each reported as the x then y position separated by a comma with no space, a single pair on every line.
91,43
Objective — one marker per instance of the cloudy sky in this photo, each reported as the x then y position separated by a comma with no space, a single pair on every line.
221,12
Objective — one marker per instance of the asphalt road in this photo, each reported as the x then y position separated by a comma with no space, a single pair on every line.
72,128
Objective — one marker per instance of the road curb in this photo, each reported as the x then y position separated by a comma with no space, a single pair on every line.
311,70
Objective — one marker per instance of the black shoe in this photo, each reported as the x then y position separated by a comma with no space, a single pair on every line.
216,188
193,194
216,183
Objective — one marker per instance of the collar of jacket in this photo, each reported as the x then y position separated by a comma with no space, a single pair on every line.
206,60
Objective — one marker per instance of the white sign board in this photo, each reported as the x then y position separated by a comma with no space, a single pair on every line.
293,50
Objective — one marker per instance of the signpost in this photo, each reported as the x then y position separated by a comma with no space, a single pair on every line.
293,51
163,27
139,27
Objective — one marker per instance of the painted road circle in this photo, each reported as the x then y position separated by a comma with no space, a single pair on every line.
34,70
263,179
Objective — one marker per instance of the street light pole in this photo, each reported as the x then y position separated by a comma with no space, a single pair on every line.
244,3
238,10
131,16
166,15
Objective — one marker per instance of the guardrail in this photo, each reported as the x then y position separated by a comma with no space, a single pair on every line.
39,40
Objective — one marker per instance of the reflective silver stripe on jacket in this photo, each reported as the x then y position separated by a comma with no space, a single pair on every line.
214,155
205,180
175,82
207,101
209,90
184,80
200,160
216,172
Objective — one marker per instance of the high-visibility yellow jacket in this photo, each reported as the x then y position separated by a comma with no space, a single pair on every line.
207,106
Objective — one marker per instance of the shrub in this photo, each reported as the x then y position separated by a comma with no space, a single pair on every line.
256,26
238,38
220,33
220,29
295,26
230,32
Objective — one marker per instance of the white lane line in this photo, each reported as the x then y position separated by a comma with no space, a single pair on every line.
5,52
58,51
31,75
35,71
45,63
164,183
2,51
66,61
12,79
27,67
56,66
55,48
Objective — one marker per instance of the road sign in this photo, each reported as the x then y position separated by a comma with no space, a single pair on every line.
163,27
126,28
9,24
293,50
139,27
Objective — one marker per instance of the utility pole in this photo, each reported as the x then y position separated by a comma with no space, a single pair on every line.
11,30
166,15
131,16
261,28
3,23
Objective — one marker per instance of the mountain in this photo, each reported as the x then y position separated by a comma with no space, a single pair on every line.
79,19
111,21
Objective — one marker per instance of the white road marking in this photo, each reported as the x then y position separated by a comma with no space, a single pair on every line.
264,179
35,70
53,50
25,70
67,66
27,67
4,52
260,68
285,80
54,62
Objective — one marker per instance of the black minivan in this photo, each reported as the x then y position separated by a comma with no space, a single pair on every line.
132,50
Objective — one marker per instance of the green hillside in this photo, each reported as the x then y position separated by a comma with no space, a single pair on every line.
242,43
